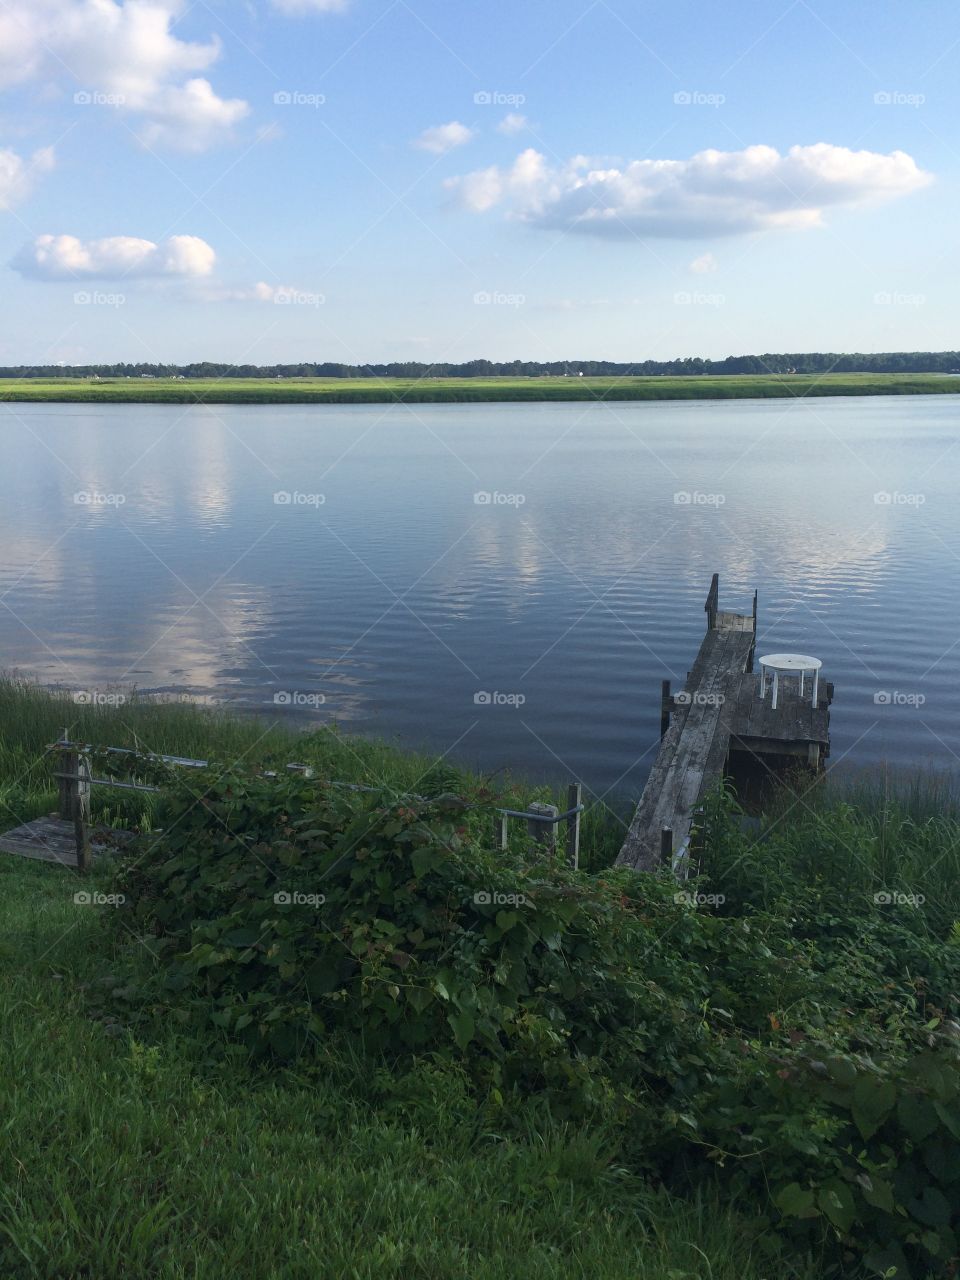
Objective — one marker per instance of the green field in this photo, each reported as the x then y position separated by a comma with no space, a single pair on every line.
427,390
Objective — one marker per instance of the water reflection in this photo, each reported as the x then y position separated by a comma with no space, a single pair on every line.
398,597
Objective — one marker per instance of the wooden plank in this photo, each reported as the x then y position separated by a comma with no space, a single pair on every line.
54,840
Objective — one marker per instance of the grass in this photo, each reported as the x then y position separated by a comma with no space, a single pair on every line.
121,1158
31,718
425,390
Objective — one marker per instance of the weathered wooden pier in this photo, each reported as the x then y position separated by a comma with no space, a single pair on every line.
719,712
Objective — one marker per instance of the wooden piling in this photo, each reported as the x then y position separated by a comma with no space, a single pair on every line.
81,810
574,799
665,705
544,833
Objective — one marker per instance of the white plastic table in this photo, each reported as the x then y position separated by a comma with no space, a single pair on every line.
789,664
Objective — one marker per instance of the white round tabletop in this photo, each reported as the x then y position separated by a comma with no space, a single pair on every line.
791,662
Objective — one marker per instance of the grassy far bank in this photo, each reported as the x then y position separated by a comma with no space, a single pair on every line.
444,390
134,1144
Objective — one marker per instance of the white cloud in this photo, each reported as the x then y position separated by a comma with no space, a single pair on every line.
444,137
128,54
705,263
513,123
713,193
17,175
191,117
114,258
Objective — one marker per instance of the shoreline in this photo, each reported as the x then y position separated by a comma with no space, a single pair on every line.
467,390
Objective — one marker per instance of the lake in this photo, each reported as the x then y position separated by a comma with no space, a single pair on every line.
506,584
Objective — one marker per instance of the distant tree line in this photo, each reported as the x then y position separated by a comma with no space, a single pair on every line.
798,362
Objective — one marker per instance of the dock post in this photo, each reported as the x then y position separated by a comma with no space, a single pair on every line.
664,706
574,798
64,785
500,821
666,846
544,833
81,811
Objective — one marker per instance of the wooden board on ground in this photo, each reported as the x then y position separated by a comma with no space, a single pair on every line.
53,840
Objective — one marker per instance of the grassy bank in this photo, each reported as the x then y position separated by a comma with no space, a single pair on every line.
447,390
136,1142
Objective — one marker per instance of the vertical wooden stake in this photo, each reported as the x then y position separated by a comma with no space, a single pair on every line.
64,785
544,833
666,846
81,811
664,706
574,797
500,821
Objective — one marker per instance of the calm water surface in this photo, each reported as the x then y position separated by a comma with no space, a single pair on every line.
398,598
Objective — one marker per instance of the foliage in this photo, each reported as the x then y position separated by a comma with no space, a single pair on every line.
802,1053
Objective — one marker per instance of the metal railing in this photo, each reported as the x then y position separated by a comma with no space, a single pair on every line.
76,781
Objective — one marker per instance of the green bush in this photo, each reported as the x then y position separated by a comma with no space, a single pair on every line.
806,1053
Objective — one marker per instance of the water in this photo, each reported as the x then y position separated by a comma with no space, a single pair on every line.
399,598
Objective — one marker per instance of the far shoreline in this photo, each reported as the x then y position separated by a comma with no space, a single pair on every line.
491,390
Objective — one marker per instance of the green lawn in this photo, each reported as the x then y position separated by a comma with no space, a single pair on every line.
382,390
126,1159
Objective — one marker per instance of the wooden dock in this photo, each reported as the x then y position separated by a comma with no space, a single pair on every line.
718,712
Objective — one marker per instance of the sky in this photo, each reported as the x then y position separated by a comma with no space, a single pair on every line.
382,180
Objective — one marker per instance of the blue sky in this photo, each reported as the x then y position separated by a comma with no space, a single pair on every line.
288,180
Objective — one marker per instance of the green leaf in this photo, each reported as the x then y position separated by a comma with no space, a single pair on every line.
917,1116
873,1100
932,1209
878,1193
240,937
836,1201
463,1027
795,1201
